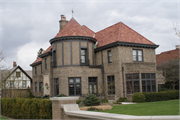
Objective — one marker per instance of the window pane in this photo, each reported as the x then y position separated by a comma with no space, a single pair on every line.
78,89
134,52
90,89
148,76
110,60
109,53
82,52
143,86
136,86
139,52
77,79
83,59
129,77
71,80
129,87
153,88
135,76
71,89
134,58
94,88
139,58
148,86
153,75
143,75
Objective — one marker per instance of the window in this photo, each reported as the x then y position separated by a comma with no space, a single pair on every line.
74,86
40,86
24,84
54,58
132,83
35,70
111,85
35,86
11,84
56,86
137,56
148,82
83,56
18,74
93,85
41,69
45,60
109,56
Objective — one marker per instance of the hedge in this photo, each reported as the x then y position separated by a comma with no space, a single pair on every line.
160,96
20,108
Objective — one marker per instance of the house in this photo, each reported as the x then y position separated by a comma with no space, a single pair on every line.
15,80
114,62
163,57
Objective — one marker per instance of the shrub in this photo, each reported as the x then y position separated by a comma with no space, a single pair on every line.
21,108
104,100
78,101
160,96
123,99
94,109
61,95
138,97
45,97
91,100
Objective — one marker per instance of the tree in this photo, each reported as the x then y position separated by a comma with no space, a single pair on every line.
170,71
176,29
40,52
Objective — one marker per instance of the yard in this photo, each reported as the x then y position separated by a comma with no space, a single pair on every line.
170,107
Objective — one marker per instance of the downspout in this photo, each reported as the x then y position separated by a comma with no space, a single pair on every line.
102,68
123,81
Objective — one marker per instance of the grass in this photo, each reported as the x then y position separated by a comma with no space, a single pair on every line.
4,118
170,107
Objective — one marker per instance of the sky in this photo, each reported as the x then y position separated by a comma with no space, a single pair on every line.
28,25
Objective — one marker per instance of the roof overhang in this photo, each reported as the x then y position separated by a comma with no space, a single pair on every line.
37,63
128,44
45,54
72,38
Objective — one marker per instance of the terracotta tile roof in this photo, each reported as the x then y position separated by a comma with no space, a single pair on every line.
89,31
119,32
72,28
167,56
40,59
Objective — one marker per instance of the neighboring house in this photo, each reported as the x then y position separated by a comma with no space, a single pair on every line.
115,62
15,79
165,57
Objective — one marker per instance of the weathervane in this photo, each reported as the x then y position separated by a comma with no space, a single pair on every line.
72,12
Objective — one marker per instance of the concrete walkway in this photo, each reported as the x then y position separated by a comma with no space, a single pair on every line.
73,110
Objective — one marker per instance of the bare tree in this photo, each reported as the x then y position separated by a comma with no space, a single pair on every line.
176,29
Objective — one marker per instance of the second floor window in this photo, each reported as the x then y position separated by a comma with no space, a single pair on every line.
18,74
35,71
35,86
83,56
109,56
137,55
45,60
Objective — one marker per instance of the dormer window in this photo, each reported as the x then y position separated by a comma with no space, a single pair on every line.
137,55
83,56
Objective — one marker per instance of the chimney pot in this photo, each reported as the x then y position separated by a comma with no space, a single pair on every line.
63,17
14,64
177,46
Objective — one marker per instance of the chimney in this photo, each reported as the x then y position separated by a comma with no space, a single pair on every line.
177,46
14,64
62,22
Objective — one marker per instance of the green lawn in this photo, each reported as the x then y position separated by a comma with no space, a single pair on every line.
150,108
4,118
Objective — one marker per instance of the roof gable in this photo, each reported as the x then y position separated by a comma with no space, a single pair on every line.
72,28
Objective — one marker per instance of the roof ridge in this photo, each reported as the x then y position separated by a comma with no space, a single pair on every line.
119,30
108,27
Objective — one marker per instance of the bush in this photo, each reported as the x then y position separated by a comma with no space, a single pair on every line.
45,97
94,109
138,97
21,108
91,100
160,96
104,100
61,95
78,101
123,99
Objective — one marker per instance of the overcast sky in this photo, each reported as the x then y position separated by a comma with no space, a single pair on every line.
28,25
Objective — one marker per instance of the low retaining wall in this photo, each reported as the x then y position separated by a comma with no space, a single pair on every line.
66,108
